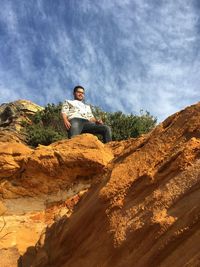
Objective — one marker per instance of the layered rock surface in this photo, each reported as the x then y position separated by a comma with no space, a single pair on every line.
145,209
39,186
129,203
13,115
47,169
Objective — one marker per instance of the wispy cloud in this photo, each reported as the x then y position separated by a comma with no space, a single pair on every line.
129,55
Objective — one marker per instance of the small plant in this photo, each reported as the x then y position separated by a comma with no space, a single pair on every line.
46,127
42,135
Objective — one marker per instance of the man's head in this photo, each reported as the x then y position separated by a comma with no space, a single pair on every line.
79,93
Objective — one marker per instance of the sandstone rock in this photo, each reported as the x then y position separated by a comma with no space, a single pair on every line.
146,210
12,157
39,186
20,227
50,168
12,118
2,208
10,136
9,257
142,208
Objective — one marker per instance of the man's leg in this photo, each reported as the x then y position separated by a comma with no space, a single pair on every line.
76,127
104,130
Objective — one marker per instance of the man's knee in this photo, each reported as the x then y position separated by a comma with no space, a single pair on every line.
107,128
107,136
75,128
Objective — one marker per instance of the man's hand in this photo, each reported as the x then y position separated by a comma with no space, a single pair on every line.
67,124
99,121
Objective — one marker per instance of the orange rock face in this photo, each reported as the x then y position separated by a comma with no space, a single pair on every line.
145,209
12,157
47,169
12,118
131,203
39,186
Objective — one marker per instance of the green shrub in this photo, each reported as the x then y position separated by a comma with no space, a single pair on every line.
47,125
126,126
42,135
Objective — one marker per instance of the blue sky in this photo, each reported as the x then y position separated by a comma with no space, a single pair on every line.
128,54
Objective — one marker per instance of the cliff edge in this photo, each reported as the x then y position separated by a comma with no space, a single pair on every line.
129,203
145,210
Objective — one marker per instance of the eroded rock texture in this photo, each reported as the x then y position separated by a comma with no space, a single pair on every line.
131,203
12,118
144,211
40,186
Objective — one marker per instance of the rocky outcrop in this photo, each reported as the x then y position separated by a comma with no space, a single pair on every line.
39,186
145,209
129,203
46,169
13,115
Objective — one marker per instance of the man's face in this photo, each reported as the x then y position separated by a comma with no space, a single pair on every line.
79,94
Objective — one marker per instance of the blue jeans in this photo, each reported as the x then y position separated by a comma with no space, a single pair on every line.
79,126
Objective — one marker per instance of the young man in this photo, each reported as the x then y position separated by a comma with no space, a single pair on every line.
78,117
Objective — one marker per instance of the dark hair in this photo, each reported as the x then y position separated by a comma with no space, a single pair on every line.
77,87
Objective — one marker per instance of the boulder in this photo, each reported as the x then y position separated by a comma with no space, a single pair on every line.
39,186
13,116
48,169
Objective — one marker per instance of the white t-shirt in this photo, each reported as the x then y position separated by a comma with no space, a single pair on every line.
77,109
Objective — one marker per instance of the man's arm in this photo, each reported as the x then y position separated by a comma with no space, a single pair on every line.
64,112
66,121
